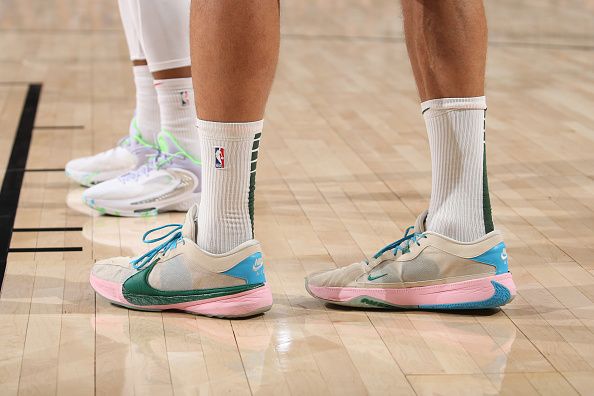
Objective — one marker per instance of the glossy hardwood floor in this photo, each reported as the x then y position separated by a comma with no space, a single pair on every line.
344,169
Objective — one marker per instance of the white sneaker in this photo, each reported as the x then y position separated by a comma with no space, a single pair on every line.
423,270
169,181
129,154
178,275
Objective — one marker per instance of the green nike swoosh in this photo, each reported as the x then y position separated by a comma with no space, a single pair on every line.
372,278
138,291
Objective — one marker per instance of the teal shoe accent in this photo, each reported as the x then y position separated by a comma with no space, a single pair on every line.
250,269
175,237
497,257
403,244
501,297
372,278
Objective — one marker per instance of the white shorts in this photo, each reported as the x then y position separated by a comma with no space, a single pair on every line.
158,31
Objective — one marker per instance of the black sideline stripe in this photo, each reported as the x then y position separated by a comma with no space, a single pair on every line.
36,170
46,249
46,170
60,127
47,229
13,179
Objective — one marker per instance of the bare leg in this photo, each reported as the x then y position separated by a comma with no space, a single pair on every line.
179,72
446,41
234,49
447,46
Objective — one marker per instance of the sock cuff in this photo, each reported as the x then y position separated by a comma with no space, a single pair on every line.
476,103
229,130
174,83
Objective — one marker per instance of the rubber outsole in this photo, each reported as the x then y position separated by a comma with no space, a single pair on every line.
240,305
180,206
498,290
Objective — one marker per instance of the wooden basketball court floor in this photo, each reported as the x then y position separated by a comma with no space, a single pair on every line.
344,169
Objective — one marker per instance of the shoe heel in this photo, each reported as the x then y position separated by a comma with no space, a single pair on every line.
503,292
248,303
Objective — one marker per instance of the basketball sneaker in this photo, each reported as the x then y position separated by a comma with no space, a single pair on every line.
130,153
178,275
423,270
169,181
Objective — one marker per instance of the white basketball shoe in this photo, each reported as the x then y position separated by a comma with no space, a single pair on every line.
423,270
178,275
169,181
130,153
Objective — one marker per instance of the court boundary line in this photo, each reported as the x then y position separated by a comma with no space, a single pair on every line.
59,127
47,229
46,249
15,171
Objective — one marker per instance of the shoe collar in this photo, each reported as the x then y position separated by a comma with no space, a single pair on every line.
420,222
190,227
416,245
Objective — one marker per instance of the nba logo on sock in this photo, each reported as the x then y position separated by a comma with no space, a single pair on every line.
219,157
185,98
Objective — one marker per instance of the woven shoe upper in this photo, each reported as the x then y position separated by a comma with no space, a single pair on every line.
420,258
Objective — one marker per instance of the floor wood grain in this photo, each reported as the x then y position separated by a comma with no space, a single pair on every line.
344,169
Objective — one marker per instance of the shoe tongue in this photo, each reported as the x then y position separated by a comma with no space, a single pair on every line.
189,228
420,223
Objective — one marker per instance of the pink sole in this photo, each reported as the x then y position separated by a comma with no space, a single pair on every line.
247,303
465,292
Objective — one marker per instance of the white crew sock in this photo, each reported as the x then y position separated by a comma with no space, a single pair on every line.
459,206
225,218
178,113
148,122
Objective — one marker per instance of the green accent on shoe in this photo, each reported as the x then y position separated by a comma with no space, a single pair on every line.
372,278
374,303
252,190
487,214
88,179
163,146
138,135
149,213
138,291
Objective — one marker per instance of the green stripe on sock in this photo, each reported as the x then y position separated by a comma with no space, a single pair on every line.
487,215
253,178
251,199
